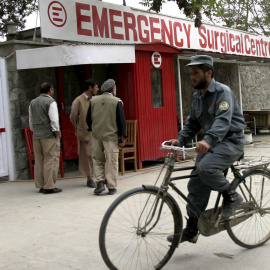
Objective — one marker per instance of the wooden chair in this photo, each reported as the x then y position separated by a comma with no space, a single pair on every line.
129,151
28,134
250,120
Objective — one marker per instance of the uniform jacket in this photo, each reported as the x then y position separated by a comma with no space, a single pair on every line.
217,113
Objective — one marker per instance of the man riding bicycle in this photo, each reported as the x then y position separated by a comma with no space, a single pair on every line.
215,111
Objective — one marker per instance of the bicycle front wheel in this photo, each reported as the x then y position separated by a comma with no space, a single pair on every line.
254,231
134,236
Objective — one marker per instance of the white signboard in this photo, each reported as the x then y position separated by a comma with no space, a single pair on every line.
99,22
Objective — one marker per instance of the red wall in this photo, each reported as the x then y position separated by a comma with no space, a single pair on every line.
154,124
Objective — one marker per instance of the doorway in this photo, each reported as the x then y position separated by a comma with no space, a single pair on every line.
70,85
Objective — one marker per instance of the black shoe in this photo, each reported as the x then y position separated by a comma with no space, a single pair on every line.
231,200
190,233
112,191
41,190
100,188
91,184
53,190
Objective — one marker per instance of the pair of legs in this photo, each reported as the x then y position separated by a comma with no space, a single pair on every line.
85,161
47,153
105,160
210,168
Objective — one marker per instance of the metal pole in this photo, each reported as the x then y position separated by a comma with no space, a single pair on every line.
180,91
240,88
180,95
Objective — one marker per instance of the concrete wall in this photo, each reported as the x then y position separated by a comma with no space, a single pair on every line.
254,83
23,87
255,87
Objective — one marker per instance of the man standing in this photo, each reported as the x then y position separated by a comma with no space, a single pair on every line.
84,137
44,122
106,120
215,110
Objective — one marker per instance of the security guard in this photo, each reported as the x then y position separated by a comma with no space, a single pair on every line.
216,112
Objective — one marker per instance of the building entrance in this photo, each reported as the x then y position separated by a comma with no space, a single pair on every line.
70,85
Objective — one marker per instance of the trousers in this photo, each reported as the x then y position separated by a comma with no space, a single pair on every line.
209,171
85,159
47,153
105,162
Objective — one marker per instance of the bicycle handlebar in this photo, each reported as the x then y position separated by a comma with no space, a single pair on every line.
166,145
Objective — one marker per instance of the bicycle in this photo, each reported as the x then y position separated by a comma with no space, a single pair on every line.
134,230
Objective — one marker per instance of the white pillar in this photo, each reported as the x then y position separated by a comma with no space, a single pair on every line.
7,120
240,88
180,95
180,91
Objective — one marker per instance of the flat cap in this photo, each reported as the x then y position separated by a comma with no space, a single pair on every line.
200,60
108,85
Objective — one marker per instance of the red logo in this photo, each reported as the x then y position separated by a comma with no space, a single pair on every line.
156,59
57,14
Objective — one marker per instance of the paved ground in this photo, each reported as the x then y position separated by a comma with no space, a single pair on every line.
60,231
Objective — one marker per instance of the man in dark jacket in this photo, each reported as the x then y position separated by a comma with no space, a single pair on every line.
216,112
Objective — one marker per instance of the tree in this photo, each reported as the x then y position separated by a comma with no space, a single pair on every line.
246,15
233,14
191,8
17,11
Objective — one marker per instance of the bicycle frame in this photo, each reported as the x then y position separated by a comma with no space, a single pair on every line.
138,225
168,181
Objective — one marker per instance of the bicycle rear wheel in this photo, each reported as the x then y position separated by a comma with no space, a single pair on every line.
123,240
254,231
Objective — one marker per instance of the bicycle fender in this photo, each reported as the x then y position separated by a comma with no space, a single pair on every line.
257,169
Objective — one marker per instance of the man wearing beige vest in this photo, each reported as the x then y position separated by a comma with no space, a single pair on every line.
44,122
106,120
84,137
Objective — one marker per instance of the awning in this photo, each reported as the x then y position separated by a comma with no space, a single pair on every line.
67,55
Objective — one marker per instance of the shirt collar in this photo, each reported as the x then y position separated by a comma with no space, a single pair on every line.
86,97
46,95
211,88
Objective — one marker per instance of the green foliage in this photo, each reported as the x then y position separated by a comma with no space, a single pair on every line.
246,15
15,10
191,8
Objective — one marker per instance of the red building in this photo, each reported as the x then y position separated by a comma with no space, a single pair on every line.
156,112
148,94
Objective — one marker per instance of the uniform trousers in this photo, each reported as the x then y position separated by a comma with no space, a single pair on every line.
47,153
210,167
105,160
85,159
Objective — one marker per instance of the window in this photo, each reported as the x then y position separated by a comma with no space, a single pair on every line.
156,84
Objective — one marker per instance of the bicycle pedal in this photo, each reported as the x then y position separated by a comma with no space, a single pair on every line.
194,239
218,221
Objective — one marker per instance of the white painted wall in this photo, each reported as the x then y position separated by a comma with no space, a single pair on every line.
7,166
